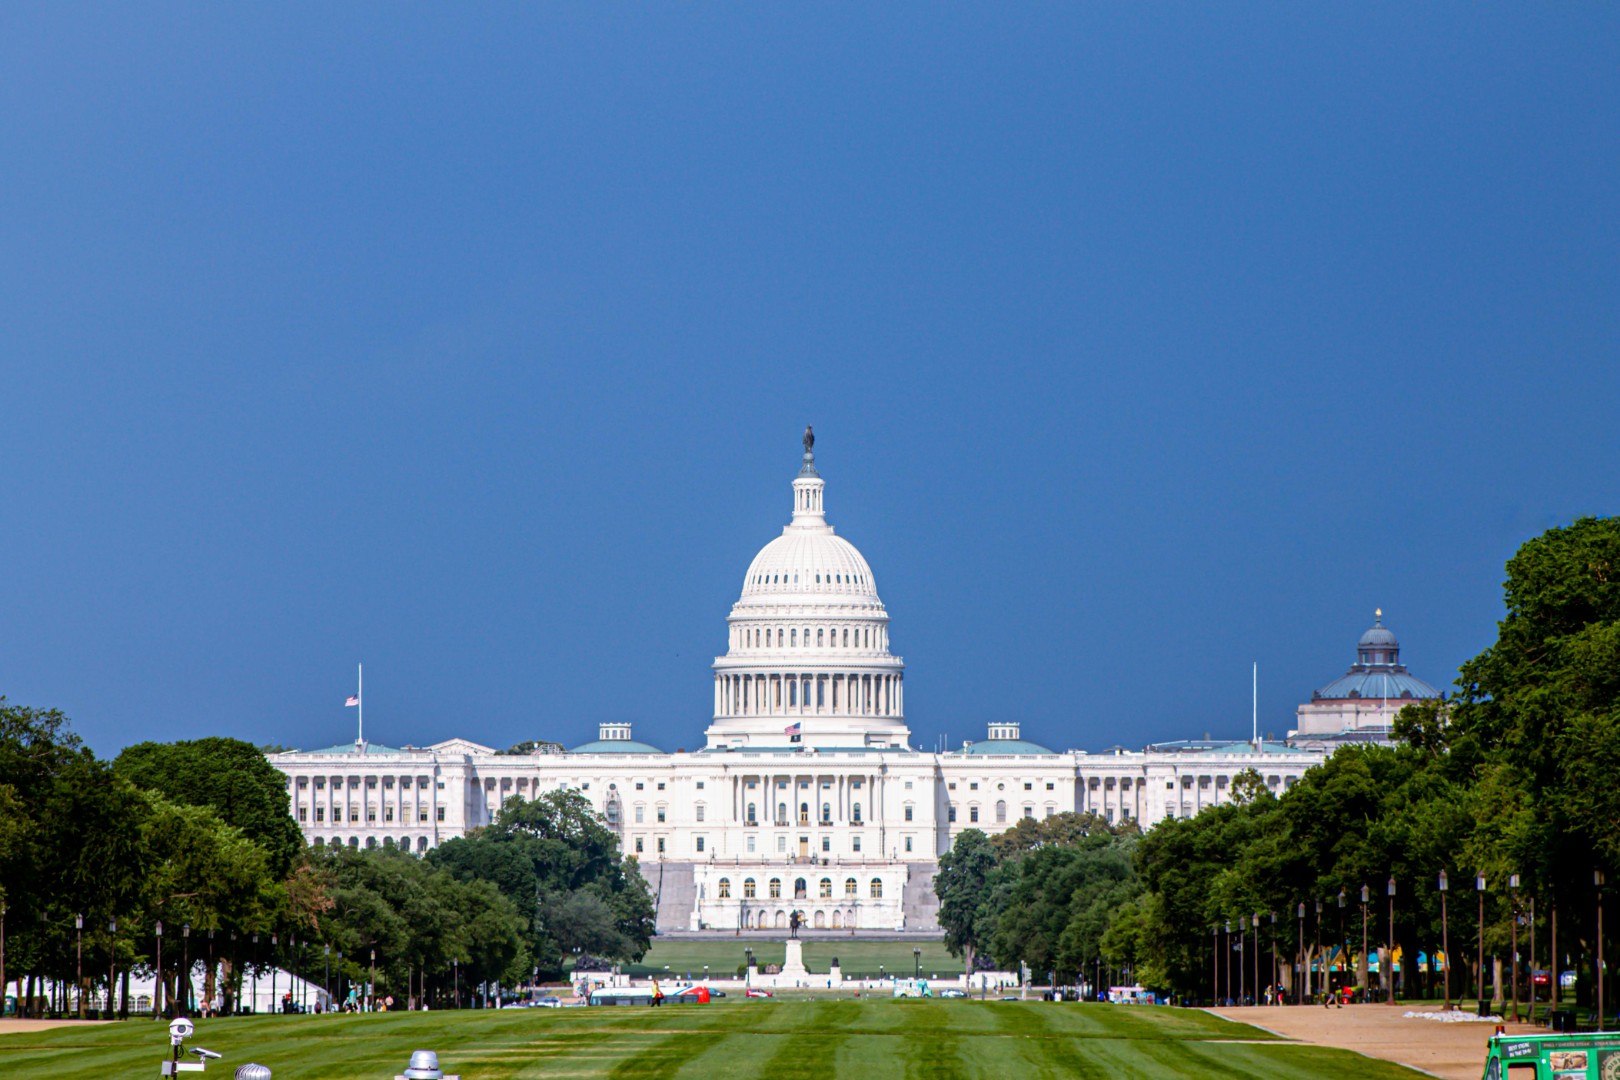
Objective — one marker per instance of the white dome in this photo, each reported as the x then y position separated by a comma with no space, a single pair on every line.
809,562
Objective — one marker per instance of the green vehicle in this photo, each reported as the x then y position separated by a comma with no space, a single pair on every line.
1590,1056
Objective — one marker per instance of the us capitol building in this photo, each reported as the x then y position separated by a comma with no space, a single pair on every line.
807,795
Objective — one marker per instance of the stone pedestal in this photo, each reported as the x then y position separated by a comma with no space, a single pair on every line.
793,966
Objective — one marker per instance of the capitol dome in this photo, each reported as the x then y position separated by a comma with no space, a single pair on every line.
809,642
1378,672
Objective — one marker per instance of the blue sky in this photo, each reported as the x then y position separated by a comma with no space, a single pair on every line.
474,342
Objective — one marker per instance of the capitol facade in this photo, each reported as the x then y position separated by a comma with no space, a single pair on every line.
807,795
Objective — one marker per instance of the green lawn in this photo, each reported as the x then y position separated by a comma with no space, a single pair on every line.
859,958
801,1039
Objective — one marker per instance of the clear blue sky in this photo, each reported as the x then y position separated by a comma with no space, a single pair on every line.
474,342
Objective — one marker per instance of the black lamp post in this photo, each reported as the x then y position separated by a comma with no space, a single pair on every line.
112,965
326,978
1597,881
1214,963
78,934
455,969
1257,958
1359,974
1445,946
1274,956
1513,975
1479,963
1299,993
185,965
1243,967
748,967
916,963
255,974
1228,928
1392,939
161,993
1342,949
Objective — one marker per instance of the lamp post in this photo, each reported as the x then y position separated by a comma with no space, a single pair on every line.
455,970
160,994
185,967
1257,958
372,989
748,967
1361,975
1479,961
1392,939
1316,983
1597,881
1274,956
326,977
1342,949
1243,967
78,934
255,974
1299,994
1513,910
112,966
1228,961
1445,946
1214,964
916,963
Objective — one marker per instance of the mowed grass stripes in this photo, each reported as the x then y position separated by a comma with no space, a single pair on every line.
803,1039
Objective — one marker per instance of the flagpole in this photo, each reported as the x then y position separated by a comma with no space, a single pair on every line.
360,692
1255,705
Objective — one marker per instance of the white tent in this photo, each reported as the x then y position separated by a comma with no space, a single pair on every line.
262,994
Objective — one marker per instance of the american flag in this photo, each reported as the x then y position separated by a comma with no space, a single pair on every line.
791,729
353,700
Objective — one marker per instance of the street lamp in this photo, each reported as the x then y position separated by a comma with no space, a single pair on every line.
1445,946
78,933
185,965
1214,964
1361,974
1597,881
160,993
1513,887
1274,956
112,964
916,963
455,969
1243,968
1299,991
1392,939
326,979
1342,949
748,967
1479,888
372,989
1318,984
1228,928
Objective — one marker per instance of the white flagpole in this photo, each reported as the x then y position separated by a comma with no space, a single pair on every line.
360,692
1256,706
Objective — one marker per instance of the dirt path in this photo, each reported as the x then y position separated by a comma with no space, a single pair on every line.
18,1027
1453,1051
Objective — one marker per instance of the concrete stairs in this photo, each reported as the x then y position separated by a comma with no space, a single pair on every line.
674,891
919,905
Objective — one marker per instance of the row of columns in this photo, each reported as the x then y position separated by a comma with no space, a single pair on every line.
766,794
809,694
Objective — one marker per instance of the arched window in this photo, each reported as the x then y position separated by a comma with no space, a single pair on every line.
752,819
793,639
748,888
877,888
804,813
826,813
826,888
850,886
800,889
818,638
781,813
1001,811
855,813
725,888
776,888
846,637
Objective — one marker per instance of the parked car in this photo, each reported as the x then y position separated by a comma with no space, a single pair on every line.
953,992
756,992
548,1002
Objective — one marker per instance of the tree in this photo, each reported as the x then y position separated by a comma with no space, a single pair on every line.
228,775
961,885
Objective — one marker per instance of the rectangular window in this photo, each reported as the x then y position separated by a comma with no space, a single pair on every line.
638,785
698,810
661,815
700,843
951,785
973,813
950,814
641,814
857,847
973,786
1050,786
421,813
826,843
750,845
638,845
660,845
1028,786
908,843
700,785
441,813
354,813
303,814
781,844
320,813
1029,811
908,811
388,813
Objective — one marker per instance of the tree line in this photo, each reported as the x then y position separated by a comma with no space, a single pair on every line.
175,856
1509,782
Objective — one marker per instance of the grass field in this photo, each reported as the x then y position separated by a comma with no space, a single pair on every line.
860,959
868,1039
